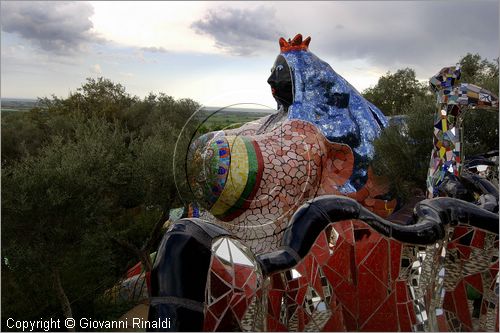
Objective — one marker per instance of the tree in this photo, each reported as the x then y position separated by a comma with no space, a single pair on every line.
22,134
393,92
98,96
53,205
479,71
402,155
161,154
85,174
480,126
26,132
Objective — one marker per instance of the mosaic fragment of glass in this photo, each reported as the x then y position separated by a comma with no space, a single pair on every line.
234,289
355,279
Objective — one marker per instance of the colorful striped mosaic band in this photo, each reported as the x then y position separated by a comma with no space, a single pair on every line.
243,179
218,169
254,177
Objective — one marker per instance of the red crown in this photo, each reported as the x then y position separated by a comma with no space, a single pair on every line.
296,44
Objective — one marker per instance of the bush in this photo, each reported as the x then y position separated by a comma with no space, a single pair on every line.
402,154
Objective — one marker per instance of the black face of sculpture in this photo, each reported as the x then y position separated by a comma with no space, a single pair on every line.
281,82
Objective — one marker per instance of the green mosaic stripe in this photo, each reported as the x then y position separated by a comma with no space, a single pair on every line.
253,168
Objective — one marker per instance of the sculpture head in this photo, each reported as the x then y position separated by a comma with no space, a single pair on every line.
281,83
446,79
252,179
281,79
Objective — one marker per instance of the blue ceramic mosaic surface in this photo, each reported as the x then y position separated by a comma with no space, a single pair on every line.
318,89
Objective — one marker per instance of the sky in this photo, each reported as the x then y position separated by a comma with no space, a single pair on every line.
220,53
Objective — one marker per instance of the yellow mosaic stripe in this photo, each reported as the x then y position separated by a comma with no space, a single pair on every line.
236,178
442,152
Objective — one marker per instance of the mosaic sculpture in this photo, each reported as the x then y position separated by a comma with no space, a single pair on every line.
454,100
320,142
297,232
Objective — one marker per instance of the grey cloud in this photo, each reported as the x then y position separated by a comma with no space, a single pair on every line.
419,34
57,27
239,31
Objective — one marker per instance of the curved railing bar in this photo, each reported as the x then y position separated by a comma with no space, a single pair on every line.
430,218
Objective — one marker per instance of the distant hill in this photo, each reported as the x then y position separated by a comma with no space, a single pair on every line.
25,104
17,104
211,109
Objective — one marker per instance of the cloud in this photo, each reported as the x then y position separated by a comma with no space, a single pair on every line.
154,49
96,69
126,74
56,27
240,31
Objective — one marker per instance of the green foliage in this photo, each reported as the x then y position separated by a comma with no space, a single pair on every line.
25,133
402,155
22,134
480,132
99,96
394,92
57,201
479,71
155,162
480,126
77,173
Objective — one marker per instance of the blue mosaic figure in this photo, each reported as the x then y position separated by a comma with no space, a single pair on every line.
324,98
